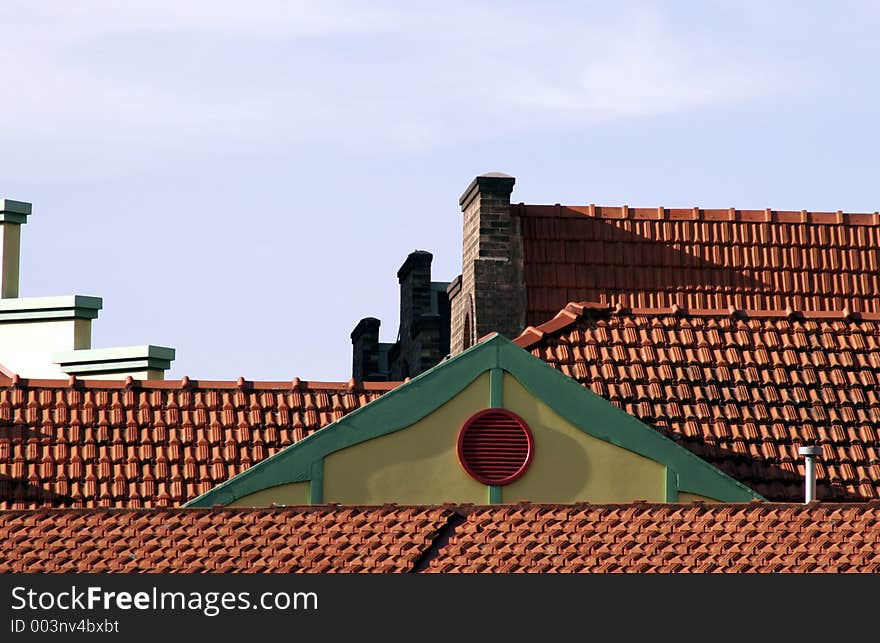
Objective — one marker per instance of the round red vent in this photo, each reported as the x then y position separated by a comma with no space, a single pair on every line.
495,446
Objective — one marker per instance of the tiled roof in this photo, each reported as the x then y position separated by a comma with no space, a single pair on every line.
151,443
303,539
742,390
638,537
666,538
655,257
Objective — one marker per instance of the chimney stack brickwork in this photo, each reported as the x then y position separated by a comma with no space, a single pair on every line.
423,336
491,294
365,349
414,277
427,344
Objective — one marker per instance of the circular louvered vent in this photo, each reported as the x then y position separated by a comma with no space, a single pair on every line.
495,446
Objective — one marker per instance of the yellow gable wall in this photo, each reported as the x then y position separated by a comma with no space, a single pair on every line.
416,465
293,493
570,466
419,464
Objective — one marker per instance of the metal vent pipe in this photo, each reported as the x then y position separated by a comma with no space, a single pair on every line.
810,454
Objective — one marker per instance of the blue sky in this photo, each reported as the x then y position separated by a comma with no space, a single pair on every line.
241,181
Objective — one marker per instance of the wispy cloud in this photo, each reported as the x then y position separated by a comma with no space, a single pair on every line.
129,80
642,70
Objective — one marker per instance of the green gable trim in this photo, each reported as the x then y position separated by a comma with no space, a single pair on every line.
316,485
496,388
412,401
496,401
671,485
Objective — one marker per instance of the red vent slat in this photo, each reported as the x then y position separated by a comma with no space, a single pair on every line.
495,446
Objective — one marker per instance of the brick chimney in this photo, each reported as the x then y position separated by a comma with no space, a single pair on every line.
414,277
490,294
423,338
365,349
423,335
13,214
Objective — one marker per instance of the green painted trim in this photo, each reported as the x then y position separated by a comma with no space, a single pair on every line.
496,388
671,485
110,360
49,308
16,207
494,494
115,367
47,315
410,402
598,417
316,484
12,211
116,353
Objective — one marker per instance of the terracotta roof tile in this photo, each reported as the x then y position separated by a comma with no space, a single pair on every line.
299,539
143,444
664,538
785,380
654,257
638,537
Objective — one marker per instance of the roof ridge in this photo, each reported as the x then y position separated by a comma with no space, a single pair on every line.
195,384
661,213
573,311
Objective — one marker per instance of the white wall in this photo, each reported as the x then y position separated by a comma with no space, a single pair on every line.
26,348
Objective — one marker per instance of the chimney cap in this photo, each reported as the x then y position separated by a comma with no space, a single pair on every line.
810,451
365,325
421,257
496,183
12,211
